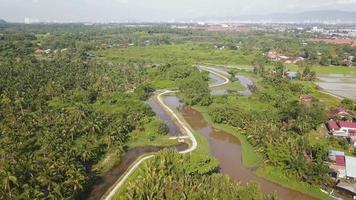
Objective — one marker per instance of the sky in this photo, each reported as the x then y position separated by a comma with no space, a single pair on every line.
154,10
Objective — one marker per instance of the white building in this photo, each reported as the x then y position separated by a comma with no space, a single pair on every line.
350,167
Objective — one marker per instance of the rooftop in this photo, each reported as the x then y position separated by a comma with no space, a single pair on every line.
350,166
333,125
347,124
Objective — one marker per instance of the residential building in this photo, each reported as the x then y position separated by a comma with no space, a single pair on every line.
342,128
339,112
348,127
350,167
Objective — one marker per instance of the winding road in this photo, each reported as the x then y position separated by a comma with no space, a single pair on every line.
230,160
181,122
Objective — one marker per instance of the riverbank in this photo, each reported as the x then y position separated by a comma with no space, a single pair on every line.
254,161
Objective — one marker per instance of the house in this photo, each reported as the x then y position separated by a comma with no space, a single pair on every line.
273,55
293,60
335,129
306,98
337,164
350,167
348,127
334,154
342,128
339,112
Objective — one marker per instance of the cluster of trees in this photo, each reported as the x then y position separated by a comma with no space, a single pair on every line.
278,128
166,177
280,70
58,117
191,83
195,90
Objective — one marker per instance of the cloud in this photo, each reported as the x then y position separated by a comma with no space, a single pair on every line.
346,1
123,1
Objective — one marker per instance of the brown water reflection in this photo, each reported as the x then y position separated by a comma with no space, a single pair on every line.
227,149
173,129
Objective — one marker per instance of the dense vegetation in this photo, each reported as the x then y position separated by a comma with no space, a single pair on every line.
277,123
71,94
168,170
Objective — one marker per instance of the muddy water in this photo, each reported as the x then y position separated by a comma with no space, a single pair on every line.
217,80
227,149
98,189
173,129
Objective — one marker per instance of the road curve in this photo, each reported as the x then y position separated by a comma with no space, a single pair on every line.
215,73
189,133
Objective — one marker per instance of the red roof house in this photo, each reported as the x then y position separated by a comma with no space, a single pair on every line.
342,128
349,125
339,112
340,160
333,126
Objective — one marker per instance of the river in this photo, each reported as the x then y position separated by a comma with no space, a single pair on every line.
227,150
223,146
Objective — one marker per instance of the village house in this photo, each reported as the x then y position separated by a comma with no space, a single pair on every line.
339,113
350,164
337,163
273,55
342,128
343,168
349,182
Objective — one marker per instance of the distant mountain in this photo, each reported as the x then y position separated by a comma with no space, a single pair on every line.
309,16
2,21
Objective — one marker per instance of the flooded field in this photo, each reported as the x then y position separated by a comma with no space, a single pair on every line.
338,84
227,149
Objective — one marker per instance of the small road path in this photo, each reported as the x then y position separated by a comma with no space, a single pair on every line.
189,134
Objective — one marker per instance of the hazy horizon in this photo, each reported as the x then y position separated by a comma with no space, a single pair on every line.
155,10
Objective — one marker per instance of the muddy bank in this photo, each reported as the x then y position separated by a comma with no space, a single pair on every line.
227,150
